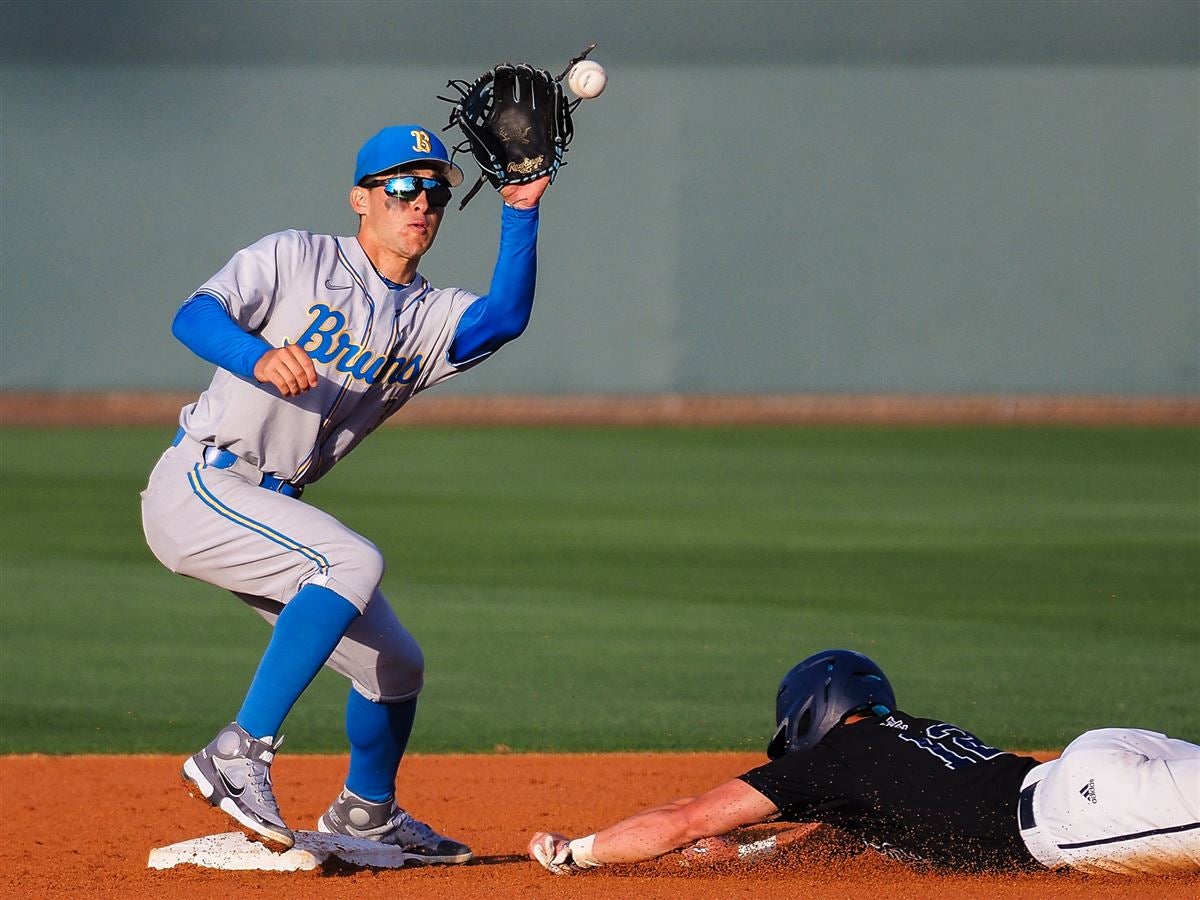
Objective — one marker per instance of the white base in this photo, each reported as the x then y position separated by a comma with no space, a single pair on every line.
236,851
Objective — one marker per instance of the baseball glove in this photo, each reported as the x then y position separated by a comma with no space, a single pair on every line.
515,121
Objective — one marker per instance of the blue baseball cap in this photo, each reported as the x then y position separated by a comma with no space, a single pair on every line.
405,145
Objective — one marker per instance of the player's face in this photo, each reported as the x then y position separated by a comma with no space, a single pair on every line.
404,228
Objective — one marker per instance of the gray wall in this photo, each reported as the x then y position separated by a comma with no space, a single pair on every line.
923,196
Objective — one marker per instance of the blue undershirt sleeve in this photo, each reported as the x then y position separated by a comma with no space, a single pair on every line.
204,327
502,314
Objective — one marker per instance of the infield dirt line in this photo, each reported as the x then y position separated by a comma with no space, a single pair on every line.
69,408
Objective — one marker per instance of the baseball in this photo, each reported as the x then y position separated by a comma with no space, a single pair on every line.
587,79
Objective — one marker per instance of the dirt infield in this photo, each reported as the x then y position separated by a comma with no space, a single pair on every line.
83,826
129,408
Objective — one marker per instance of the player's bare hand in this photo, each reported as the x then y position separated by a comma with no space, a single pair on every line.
289,368
525,196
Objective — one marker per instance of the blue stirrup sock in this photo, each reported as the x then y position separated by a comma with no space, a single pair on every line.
378,734
307,630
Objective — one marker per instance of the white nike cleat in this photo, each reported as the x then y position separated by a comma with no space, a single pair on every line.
387,823
233,773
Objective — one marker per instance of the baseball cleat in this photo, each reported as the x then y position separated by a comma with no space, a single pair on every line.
387,823
233,773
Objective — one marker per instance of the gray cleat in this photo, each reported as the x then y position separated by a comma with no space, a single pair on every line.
387,823
233,773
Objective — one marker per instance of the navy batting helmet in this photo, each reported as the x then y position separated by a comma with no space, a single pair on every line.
821,691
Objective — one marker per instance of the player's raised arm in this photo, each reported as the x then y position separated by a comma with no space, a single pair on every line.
518,124
503,313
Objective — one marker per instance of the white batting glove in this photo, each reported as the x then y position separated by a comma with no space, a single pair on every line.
561,856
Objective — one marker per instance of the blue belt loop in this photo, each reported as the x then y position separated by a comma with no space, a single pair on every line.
219,459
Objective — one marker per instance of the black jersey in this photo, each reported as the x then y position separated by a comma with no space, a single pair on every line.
920,790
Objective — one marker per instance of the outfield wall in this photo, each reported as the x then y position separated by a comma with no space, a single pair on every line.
931,198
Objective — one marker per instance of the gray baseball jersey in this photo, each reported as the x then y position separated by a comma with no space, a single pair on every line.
374,348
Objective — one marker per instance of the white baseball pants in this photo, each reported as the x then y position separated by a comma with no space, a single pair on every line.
1118,800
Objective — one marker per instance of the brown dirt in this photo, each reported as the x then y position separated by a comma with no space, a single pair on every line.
83,826
32,409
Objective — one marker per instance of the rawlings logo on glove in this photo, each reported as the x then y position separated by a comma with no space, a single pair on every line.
515,121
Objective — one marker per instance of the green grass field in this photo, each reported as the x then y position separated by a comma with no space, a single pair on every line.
608,589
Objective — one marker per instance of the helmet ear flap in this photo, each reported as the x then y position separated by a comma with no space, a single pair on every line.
796,723
778,743
819,692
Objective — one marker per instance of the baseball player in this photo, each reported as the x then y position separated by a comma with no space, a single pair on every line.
318,339
929,793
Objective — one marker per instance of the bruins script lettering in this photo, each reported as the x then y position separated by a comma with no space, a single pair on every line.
327,341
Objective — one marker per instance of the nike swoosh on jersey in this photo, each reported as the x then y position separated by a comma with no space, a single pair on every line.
337,287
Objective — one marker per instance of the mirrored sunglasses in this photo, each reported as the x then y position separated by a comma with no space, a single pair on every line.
409,187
